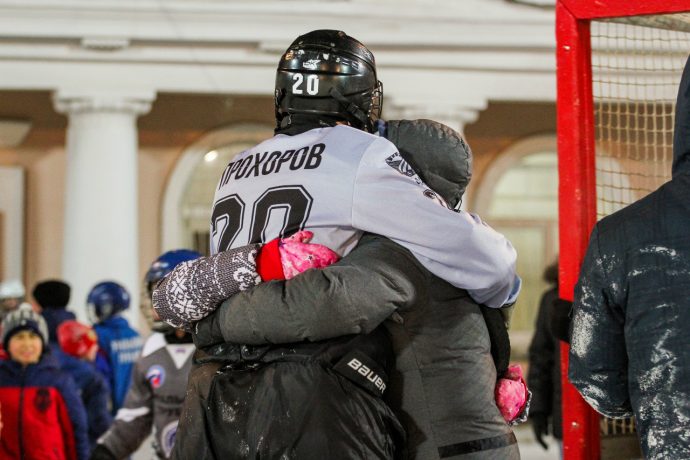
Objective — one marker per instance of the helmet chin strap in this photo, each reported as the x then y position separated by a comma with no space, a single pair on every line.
351,108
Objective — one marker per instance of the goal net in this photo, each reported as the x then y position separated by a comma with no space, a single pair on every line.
619,66
636,67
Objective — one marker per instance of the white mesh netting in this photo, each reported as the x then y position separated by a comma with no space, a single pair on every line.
637,63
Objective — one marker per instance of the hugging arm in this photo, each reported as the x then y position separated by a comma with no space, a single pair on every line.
351,296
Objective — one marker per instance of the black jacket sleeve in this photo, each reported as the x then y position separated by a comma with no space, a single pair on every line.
352,296
542,352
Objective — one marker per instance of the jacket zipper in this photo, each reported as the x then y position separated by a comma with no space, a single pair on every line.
20,423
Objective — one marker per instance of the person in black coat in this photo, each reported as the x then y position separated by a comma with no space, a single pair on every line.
630,341
544,366
53,296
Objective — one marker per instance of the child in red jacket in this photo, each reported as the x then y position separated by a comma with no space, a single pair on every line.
42,413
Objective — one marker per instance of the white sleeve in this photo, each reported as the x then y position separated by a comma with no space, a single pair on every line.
390,200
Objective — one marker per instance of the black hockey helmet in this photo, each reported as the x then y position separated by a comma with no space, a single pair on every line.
330,75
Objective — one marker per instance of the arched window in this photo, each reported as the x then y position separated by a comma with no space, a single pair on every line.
189,194
518,196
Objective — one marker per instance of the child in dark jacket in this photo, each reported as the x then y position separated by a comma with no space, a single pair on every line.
42,414
78,346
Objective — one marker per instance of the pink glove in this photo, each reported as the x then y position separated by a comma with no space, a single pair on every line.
298,255
512,395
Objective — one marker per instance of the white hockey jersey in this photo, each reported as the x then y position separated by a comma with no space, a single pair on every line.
154,400
339,182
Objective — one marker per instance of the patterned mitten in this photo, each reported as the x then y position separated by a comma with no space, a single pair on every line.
195,288
512,395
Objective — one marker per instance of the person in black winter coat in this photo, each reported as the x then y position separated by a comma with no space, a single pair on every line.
53,297
544,366
630,341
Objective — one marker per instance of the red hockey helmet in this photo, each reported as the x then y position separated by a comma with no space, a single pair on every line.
75,338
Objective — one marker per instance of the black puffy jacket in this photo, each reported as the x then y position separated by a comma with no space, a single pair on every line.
318,397
544,376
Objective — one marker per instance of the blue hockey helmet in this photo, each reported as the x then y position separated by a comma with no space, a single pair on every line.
106,300
159,269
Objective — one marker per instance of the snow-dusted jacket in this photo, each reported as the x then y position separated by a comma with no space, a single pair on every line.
120,345
42,414
154,399
442,386
630,340
93,389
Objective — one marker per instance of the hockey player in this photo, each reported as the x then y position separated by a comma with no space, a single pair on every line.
159,378
349,297
368,175
118,343
325,172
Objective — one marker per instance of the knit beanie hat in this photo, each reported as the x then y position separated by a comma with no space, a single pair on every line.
21,319
52,293
75,338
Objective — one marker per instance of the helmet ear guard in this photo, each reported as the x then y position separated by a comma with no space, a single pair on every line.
327,75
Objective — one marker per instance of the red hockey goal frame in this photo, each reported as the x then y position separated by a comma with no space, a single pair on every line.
576,169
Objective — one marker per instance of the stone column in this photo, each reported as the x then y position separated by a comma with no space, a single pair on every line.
101,203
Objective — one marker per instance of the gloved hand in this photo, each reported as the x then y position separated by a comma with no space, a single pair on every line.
560,319
512,395
540,426
298,255
100,452
285,258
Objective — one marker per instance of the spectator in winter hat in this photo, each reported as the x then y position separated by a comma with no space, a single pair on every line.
53,297
25,320
36,396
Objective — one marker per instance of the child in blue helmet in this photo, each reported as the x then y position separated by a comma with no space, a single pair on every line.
159,379
119,344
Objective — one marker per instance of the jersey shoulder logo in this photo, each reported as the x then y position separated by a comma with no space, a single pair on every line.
155,376
398,163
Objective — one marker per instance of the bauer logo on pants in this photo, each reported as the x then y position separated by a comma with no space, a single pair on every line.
364,371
